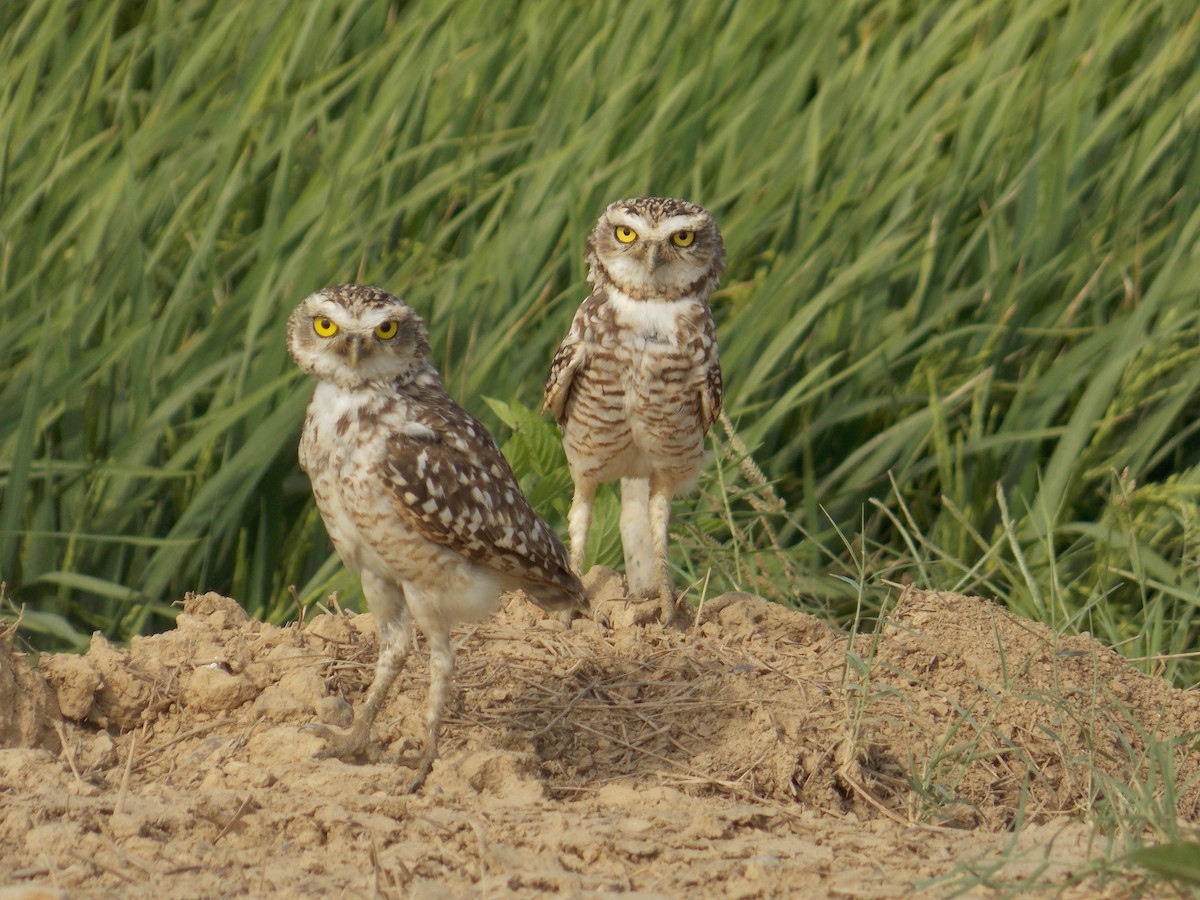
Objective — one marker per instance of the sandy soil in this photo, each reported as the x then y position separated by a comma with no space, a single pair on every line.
759,752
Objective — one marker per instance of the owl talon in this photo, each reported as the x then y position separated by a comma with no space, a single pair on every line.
664,600
355,743
669,608
324,732
675,613
423,763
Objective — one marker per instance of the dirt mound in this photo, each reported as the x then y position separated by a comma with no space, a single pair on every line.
757,749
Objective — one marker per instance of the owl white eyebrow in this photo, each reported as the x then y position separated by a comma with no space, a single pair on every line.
632,220
329,309
680,223
379,316
666,227
369,318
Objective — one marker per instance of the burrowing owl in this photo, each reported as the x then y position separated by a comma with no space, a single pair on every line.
637,383
414,493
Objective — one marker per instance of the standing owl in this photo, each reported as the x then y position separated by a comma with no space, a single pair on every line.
414,493
637,384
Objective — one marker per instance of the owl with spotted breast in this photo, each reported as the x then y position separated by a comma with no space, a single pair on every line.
636,384
414,493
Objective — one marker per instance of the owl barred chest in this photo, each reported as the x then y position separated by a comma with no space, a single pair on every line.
637,402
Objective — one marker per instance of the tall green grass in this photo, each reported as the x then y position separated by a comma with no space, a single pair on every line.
960,325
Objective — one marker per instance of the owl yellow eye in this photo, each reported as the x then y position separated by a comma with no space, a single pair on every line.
325,327
683,238
625,234
386,330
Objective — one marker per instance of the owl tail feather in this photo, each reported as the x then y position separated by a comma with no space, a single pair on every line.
558,597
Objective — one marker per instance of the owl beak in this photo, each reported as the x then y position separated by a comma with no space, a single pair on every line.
353,349
655,259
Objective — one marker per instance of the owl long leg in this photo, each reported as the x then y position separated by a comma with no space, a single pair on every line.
441,675
579,520
661,491
395,643
636,537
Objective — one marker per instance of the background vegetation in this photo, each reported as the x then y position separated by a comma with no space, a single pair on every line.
960,325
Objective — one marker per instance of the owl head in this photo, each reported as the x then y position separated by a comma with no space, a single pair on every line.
352,335
655,248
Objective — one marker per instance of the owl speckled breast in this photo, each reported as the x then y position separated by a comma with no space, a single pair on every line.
335,452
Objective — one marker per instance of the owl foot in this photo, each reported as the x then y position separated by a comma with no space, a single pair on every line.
353,743
668,604
423,763
665,604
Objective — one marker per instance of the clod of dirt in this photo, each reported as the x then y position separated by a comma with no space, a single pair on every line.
608,597
211,613
75,682
214,688
106,687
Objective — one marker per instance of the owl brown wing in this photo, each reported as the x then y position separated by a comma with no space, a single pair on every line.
563,367
711,394
712,386
449,481
571,354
